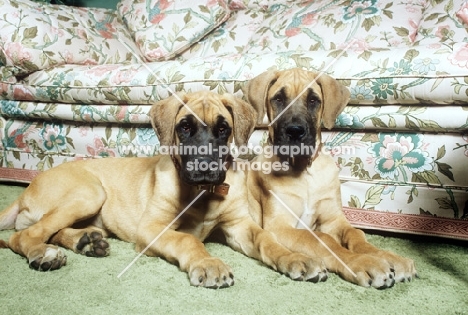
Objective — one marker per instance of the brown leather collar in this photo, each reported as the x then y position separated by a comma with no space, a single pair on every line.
221,189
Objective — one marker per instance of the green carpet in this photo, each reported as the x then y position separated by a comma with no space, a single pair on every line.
153,286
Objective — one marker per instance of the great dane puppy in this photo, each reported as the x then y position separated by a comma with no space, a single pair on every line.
141,200
304,198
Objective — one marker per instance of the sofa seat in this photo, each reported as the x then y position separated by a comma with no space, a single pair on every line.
401,143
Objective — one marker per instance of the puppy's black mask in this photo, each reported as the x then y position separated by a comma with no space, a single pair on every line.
203,150
295,127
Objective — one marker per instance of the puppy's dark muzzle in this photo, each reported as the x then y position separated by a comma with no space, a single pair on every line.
294,138
206,163
295,132
204,170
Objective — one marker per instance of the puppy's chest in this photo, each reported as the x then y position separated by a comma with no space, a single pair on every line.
308,217
199,220
308,214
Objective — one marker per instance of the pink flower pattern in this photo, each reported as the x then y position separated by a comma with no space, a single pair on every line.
462,13
99,149
17,53
459,57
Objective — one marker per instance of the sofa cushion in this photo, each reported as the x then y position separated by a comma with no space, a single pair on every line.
232,37
443,25
327,25
163,29
400,76
39,36
445,33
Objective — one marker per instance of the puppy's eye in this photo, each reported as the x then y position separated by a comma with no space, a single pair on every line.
278,99
185,127
222,130
313,101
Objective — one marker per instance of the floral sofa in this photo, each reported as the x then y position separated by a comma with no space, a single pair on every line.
77,83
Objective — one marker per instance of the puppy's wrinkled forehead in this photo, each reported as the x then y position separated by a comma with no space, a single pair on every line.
207,107
295,82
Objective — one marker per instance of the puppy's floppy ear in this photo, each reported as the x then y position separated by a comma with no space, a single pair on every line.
335,98
243,115
256,91
163,114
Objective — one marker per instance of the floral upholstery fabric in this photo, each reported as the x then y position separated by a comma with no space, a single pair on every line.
462,13
403,164
400,74
328,25
398,78
163,29
401,144
36,36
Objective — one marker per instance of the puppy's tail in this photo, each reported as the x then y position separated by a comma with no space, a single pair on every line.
8,219
8,216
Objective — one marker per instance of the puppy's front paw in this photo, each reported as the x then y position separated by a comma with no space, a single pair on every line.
403,268
369,271
93,245
211,273
303,268
46,258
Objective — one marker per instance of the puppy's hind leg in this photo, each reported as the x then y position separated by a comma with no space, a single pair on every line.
62,213
88,241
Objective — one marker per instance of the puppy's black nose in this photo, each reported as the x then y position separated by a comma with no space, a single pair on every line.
205,164
295,132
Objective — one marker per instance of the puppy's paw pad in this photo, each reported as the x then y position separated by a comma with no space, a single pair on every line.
383,282
302,268
318,276
53,258
211,273
93,245
403,268
378,279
